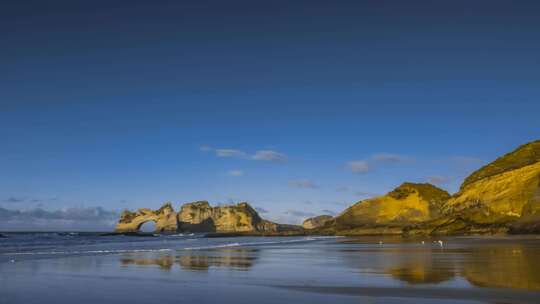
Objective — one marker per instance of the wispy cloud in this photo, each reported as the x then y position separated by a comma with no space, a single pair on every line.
438,179
366,165
298,213
388,157
20,199
359,166
230,153
14,200
342,189
236,173
259,155
95,218
306,184
329,212
269,155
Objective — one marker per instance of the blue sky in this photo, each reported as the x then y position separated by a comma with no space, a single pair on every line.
298,108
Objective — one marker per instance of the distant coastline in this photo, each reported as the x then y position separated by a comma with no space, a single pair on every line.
500,198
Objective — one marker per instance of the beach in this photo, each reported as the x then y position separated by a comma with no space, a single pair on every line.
193,269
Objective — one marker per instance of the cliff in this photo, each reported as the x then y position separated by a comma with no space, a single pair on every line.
523,156
408,204
198,217
316,222
503,196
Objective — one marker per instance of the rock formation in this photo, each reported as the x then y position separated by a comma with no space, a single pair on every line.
199,217
164,217
408,204
500,197
316,222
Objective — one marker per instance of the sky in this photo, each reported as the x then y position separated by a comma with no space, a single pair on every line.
300,108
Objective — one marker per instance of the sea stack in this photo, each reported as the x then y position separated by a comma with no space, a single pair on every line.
198,217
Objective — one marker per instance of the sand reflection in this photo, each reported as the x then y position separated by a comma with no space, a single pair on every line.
496,263
422,265
198,260
511,266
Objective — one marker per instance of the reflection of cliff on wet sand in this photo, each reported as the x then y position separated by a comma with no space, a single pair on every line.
492,263
505,266
236,259
403,259
421,273
164,262
421,267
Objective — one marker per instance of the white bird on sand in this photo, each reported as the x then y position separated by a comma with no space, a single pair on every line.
440,243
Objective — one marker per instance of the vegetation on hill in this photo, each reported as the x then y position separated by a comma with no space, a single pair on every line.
525,155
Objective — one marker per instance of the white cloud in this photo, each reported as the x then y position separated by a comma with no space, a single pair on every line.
230,153
259,155
269,155
306,184
359,166
236,173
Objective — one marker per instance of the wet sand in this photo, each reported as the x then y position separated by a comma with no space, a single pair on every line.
343,270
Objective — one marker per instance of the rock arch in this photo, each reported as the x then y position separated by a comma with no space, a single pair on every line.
164,217
147,226
200,217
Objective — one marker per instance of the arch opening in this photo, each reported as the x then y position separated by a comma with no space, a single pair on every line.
148,227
